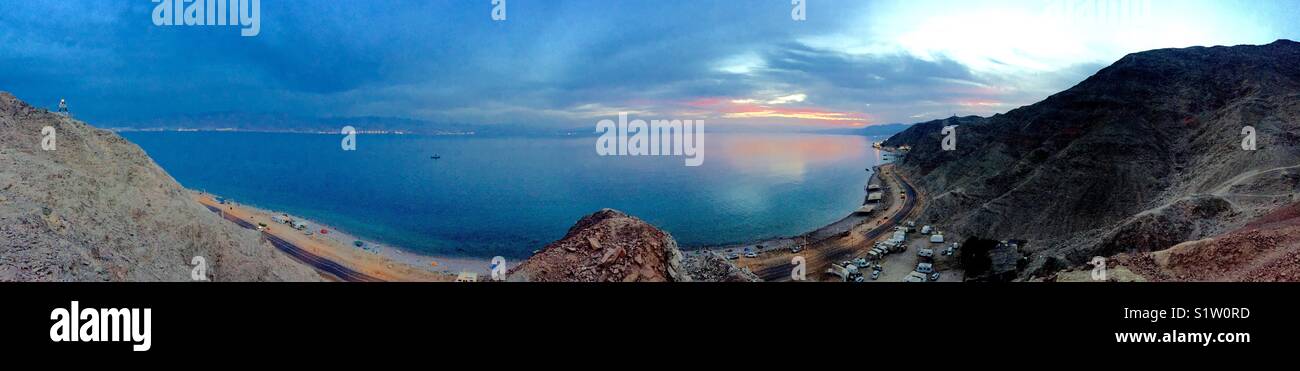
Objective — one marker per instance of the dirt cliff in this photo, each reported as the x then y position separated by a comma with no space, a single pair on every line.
97,208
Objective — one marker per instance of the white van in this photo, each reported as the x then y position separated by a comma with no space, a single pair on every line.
926,268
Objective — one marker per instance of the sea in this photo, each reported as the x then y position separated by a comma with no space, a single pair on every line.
509,196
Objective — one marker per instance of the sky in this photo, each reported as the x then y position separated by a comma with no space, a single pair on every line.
562,63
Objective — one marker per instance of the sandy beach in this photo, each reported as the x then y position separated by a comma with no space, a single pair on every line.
384,262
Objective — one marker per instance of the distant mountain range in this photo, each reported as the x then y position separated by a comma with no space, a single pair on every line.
873,130
278,122
1144,155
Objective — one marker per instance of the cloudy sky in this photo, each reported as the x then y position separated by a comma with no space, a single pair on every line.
570,63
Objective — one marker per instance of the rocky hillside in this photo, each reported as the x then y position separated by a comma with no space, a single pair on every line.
607,246
96,208
1143,155
1265,250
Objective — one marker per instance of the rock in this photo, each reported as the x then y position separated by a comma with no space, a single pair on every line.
615,247
708,266
610,255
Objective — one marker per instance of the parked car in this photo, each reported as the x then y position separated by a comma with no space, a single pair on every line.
875,275
733,256
934,276
751,255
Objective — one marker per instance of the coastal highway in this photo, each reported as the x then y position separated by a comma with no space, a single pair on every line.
835,252
321,264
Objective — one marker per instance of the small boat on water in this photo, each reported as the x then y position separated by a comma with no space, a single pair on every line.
435,157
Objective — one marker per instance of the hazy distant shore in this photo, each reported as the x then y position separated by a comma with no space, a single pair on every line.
330,132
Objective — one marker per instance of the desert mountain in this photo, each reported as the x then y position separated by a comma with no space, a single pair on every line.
97,208
1144,155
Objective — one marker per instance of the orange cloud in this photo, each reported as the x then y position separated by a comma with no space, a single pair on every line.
749,109
980,103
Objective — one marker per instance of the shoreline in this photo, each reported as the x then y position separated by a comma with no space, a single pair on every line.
383,261
838,227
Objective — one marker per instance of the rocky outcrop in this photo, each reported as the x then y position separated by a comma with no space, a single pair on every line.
607,246
1143,155
708,266
97,208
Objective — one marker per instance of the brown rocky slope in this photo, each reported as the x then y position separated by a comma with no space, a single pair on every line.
97,208
607,246
1265,250
610,246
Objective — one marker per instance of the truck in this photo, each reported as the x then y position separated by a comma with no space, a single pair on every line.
875,254
838,271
